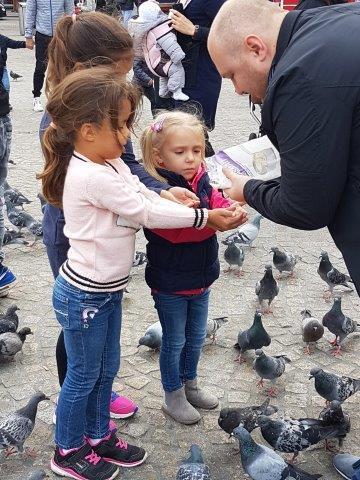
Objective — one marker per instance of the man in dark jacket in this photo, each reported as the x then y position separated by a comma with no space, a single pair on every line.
306,67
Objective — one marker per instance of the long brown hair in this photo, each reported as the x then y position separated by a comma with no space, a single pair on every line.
91,39
86,96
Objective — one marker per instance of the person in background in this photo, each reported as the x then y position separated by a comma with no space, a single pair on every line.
127,10
5,43
42,15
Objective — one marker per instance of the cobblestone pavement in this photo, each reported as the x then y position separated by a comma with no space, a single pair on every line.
139,378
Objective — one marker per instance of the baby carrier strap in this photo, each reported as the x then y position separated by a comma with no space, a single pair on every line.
153,53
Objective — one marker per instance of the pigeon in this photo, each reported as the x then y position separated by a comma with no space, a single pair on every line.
15,76
17,427
284,261
193,468
332,387
338,324
332,276
139,259
38,475
247,417
152,337
334,415
270,368
22,219
16,198
267,288
234,256
11,342
213,326
247,233
292,436
262,463
43,202
12,237
9,321
253,338
312,330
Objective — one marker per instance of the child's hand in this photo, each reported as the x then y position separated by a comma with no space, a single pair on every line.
29,43
181,195
223,219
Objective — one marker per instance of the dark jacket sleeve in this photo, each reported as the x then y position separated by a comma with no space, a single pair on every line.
7,42
137,169
141,73
312,125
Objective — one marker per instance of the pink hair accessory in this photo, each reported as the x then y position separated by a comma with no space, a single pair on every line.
157,126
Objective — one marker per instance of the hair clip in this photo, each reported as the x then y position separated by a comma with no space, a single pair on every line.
157,126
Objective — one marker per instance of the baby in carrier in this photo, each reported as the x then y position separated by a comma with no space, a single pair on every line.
156,43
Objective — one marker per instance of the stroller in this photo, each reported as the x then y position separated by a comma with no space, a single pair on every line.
257,117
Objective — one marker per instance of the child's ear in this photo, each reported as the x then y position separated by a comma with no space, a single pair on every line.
87,132
157,157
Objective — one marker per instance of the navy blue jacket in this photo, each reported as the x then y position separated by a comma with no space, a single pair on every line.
311,113
190,265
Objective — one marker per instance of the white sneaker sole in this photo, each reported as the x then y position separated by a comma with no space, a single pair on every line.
122,415
4,291
126,465
340,473
64,473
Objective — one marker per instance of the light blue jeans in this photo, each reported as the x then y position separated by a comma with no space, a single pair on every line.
92,324
126,14
5,146
183,319
6,80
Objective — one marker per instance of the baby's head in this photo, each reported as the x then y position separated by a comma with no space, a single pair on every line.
175,141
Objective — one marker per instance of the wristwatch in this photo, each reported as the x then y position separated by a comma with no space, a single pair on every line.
196,30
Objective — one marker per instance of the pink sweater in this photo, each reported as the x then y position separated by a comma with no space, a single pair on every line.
104,206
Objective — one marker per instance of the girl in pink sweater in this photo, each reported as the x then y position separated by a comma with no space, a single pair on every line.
104,206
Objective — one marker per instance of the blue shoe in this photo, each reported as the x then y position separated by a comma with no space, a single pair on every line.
7,280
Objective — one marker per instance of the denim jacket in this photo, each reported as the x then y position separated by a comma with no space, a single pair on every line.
44,14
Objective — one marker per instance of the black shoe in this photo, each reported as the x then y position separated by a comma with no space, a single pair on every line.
83,464
119,452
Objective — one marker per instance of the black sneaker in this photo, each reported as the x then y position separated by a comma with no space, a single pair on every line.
119,452
83,464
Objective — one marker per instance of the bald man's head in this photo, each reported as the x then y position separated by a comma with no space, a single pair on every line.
242,42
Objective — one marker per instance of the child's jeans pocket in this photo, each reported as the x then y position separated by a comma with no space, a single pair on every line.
61,307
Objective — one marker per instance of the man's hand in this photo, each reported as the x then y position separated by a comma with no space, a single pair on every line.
181,23
181,195
236,191
223,219
29,43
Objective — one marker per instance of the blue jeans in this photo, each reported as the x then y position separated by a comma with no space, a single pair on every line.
92,324
5,146
127,14
183,319
6,79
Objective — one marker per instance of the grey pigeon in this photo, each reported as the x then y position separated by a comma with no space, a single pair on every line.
292,436
9,321
193,468
332,387
38,475
234,255
17,427
247,417
333,414
15,76
139,259
332,276
42,201
213,325
311,329
12,237
23,219
253,338
15,198
247,233
267,289
152,337
262,463
11,343
270,368
283,261
338,324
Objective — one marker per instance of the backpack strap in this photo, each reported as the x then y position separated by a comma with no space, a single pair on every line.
162,29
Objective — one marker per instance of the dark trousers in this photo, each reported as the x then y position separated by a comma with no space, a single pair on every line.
41,46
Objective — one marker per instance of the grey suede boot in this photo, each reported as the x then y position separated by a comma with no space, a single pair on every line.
198,397
179,408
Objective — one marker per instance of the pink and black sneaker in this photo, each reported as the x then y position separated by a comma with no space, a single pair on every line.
82,464
122,407
119,452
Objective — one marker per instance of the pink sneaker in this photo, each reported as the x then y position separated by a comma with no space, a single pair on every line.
122,407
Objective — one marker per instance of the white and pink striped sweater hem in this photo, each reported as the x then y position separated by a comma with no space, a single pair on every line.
104,206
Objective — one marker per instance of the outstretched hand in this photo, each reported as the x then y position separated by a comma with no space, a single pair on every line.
223,219
236,191
181,195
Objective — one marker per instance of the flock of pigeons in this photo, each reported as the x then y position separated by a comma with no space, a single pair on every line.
283,434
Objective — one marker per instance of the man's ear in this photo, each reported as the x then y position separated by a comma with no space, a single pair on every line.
255,46
87,132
